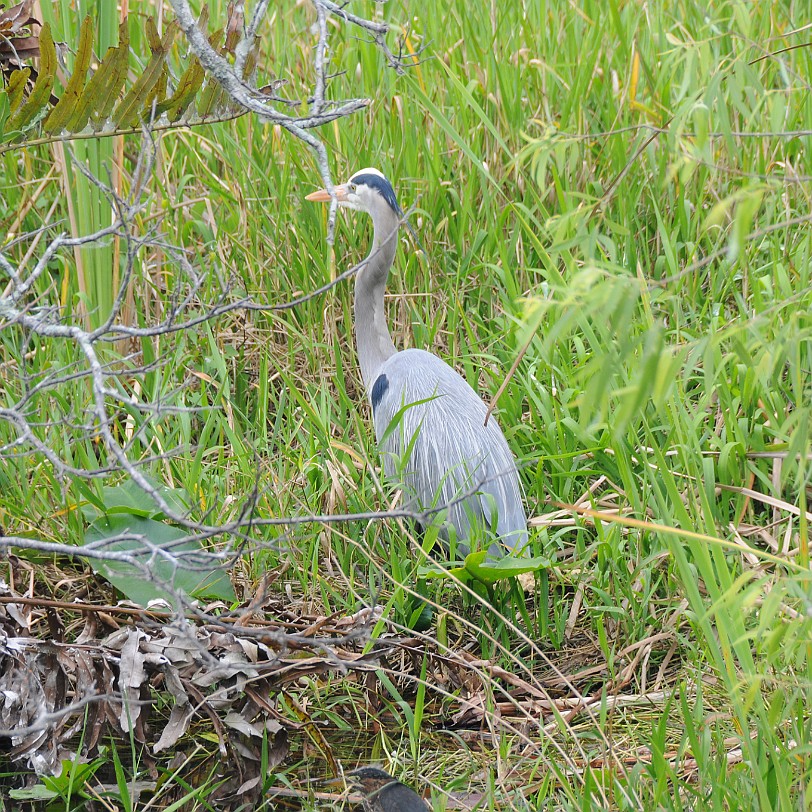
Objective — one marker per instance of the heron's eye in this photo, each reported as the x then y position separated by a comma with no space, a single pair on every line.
351,187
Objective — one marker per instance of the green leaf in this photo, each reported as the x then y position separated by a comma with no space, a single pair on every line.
190,82
421,614
102,90
4,112
212,94
206,580
479,567
38,792
73,776
42,87
130,107
58,118
210,99
128,497
489,571
16,87
157,92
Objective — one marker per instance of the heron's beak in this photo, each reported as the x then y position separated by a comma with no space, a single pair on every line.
332,782
323,196
344,781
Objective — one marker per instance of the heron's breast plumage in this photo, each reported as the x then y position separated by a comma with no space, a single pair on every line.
440,449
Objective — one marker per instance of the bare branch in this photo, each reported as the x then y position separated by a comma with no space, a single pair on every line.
322,110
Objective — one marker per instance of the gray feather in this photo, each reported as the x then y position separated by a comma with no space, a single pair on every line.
429,423
453,454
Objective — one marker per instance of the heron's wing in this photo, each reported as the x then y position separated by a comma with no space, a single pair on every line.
430,429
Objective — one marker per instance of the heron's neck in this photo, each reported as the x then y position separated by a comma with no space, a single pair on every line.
372,337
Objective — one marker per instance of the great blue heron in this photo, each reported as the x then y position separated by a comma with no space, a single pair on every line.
429,423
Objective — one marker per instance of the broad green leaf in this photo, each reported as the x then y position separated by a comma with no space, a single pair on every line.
42,87
102,90
191,81
206,580
16,87
74,774
211,94
158,90
128,497
129,109
157,94
210,99
39,792
488,571
421,616
479,567
58,118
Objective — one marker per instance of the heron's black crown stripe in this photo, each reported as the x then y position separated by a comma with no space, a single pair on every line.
379,390
382,185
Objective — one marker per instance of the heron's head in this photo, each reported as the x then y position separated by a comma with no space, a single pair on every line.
367,190
366,780
370,773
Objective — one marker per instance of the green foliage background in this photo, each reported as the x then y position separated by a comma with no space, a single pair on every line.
621,188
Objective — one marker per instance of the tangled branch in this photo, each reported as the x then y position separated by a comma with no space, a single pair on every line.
322,110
